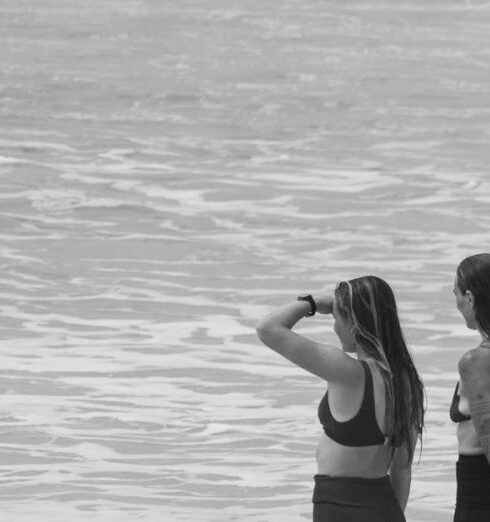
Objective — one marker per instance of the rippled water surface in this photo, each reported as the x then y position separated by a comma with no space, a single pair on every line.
172,169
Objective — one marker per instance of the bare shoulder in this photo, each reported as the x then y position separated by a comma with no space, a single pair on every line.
474,367
336,366
476,360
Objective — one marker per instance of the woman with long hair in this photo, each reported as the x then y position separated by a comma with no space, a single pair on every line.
373,411
470,407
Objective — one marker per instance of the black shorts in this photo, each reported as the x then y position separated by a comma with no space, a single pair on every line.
473,489
352,499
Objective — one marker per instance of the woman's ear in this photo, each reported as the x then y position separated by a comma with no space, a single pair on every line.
471,298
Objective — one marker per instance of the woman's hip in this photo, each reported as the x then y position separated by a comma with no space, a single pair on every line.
473,489
351,499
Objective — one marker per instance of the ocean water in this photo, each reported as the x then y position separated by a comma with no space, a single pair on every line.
170,170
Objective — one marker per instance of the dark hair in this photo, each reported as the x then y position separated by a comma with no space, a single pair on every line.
473,274
370,304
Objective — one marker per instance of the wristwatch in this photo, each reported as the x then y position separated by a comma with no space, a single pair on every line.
309,299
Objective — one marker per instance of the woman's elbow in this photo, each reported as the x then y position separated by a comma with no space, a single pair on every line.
401,472
261,329
266,332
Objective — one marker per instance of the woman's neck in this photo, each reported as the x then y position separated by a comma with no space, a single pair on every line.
485,340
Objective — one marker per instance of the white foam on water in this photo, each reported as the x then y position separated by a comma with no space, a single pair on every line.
159,198
10,160
333,181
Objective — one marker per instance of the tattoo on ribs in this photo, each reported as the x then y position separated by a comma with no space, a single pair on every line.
480,408
480,413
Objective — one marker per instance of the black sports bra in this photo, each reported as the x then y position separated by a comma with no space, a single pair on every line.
362,429
454,411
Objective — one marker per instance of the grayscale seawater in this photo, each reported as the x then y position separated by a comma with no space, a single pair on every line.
170,170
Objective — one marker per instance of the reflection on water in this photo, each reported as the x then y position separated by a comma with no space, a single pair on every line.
168,172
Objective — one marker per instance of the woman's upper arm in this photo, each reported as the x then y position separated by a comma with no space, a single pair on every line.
325,361
474,369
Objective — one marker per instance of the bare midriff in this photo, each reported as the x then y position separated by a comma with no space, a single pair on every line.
468,440
337,460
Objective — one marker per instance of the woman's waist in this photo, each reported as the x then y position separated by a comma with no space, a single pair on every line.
468,440
473,470
472,463
336,460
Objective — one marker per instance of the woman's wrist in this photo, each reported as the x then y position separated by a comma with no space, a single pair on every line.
311,302
324,304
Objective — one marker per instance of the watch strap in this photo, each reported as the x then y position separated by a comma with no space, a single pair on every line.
309,298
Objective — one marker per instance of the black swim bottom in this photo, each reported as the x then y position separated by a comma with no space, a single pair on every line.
473,489
351,499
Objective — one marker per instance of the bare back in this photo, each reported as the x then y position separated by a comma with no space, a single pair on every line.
348,458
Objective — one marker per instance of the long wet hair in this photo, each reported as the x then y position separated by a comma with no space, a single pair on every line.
473,274
370,305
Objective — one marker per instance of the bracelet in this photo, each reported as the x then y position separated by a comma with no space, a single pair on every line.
309,298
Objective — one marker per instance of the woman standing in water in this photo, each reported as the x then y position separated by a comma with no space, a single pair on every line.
470,407
372,413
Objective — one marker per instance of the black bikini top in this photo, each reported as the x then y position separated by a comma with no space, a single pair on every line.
454,411
362,429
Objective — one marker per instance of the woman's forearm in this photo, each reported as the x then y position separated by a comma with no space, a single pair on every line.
285,316
288,315
401,481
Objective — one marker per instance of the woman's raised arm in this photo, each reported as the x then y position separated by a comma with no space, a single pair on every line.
325,361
